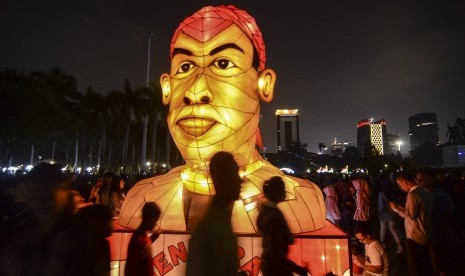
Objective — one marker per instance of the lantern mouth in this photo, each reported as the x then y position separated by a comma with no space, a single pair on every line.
195,126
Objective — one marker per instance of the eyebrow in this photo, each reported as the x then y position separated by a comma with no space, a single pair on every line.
182,51
224,47
212,52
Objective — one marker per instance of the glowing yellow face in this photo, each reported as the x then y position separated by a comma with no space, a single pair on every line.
214,103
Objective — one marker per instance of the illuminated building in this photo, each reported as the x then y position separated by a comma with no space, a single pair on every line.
373,132
338,148
423,129
288,121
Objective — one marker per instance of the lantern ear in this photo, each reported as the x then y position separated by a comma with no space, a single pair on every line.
266,81
165,88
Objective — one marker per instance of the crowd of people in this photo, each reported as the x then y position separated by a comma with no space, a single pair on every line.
422,210
417,216
57,223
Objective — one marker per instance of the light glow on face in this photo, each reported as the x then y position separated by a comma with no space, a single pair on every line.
214,102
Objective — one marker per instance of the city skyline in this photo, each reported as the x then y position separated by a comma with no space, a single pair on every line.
337,62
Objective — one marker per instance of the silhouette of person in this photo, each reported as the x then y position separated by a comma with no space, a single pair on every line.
36,240
139,261
91,248
213,245
117,195
276,233
216,82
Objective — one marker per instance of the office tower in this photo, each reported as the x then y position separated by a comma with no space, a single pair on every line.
338,148
423,129
373,132
288,121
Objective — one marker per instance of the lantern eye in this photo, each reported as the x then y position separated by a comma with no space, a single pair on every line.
185,67
223,63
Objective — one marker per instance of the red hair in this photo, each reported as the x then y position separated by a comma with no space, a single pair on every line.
209,21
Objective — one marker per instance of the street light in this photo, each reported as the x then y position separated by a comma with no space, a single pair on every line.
149,35
398,143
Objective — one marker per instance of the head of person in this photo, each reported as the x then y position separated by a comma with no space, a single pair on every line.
274,189
150,215
118,184
329,191
97,218
425,178
440,175
216,81
47,192
224,173
405,180
360,185
362,234
108,178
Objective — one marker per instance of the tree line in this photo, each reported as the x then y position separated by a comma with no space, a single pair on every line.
43,116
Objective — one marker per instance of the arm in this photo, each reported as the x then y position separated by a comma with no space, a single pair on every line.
412,206
359,261
372,268
400,210
93,194
299,270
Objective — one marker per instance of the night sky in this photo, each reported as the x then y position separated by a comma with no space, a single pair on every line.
336,61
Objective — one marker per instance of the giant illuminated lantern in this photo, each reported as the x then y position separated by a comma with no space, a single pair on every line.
214,88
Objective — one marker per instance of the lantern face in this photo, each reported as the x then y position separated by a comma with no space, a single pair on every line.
214,102
216,81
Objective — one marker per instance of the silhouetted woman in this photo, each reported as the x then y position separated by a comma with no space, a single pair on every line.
117,195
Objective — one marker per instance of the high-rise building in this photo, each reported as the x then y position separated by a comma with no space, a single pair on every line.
373,132
338,148
423,129
288,121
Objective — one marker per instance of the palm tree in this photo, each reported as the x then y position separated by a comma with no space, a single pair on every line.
91,113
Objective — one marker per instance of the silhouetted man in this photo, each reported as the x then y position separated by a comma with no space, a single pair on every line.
213,246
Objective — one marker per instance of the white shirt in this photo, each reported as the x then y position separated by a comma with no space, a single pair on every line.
417,215
376,255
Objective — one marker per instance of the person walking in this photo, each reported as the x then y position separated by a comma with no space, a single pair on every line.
213,245
139,261
90,251
276,233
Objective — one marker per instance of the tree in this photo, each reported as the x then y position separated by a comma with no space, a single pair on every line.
372,159
352,157
37,107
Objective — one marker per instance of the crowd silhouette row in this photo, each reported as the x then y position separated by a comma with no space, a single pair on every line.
58,225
